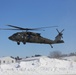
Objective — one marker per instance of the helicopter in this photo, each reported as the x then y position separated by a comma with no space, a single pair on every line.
32,37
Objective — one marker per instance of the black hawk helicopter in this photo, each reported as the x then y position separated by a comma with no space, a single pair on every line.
32,37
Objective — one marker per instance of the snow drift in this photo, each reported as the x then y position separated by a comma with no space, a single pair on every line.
38,66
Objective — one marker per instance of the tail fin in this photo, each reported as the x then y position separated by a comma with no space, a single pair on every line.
59,36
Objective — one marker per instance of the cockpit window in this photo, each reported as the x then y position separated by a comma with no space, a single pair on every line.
15,34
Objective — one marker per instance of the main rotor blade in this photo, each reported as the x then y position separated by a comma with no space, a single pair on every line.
16,27
57,30
44,27
20,28
62,30
8,29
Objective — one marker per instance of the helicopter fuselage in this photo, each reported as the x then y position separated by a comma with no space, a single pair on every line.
31,37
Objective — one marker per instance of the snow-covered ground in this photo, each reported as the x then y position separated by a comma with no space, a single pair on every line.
39,66
71,58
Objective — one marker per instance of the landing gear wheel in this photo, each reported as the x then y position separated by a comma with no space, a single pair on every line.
24,42
18,43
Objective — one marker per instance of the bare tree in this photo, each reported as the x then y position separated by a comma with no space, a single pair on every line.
55,54
72,54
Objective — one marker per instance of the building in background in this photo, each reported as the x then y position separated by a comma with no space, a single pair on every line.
7,60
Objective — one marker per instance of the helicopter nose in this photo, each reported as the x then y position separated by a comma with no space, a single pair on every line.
10,38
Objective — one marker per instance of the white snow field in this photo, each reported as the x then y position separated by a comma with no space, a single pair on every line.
40,66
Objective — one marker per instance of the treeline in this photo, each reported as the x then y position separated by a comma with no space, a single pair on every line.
58,54
54,54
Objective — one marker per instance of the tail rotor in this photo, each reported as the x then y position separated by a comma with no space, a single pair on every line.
60,33
59,36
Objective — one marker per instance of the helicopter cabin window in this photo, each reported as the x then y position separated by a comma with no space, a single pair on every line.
18,34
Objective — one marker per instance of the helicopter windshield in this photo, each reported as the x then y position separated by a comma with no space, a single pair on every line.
15,34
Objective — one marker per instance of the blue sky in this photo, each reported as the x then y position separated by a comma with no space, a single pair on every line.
38,13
